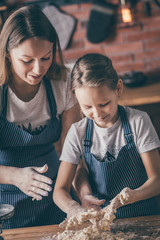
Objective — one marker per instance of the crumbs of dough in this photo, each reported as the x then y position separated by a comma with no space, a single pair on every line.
90,233
101,223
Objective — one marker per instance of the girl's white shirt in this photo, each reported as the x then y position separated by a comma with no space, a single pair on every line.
110,139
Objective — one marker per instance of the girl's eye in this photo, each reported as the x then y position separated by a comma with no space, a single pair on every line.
105,104
87,107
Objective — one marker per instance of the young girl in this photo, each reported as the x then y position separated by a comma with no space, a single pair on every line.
36,110
118,146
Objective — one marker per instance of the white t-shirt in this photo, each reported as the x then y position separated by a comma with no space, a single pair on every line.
34,115
110,139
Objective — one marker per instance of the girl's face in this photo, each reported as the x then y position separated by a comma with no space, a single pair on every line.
31,60
100,103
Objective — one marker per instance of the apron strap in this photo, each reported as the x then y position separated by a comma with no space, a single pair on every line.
51,98
125,125
88,137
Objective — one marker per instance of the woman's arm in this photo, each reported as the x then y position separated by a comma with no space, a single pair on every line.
7,174
68,117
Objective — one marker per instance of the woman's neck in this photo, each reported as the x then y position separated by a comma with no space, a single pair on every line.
25,92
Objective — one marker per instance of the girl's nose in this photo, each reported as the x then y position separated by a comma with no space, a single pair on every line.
96,112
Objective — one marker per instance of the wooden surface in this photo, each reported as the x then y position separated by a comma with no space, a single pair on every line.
147,94
142,226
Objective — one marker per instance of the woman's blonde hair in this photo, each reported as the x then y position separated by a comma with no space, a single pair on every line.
29,22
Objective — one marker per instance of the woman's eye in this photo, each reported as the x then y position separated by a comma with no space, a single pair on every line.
46,59
24,61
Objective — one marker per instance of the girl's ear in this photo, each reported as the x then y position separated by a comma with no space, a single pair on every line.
120,87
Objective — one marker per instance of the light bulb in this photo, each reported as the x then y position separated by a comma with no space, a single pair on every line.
126,15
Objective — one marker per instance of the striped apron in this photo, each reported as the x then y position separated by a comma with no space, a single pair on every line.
108,178
21,149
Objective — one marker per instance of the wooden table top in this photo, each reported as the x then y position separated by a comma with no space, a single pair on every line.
142,226
147,94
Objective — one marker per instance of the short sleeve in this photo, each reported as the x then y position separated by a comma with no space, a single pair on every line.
147,138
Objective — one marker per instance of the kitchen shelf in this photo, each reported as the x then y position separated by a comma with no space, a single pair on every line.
145,98
147,94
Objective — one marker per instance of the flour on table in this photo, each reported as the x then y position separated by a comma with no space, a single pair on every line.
100,223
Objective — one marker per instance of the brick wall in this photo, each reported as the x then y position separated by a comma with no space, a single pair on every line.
132,48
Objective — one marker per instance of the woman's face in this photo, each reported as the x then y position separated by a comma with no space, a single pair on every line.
100,103
31,60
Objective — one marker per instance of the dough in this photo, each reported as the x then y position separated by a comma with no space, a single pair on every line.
100,223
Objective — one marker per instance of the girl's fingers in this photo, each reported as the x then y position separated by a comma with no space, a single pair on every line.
92,200
96,208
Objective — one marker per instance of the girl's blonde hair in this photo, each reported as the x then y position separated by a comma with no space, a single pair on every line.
29,22
92,70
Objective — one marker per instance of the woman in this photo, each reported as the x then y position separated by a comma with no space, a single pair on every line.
36,109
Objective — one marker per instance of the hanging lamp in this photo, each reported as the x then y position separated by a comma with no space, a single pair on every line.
126,12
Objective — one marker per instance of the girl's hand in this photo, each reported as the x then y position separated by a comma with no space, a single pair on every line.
74,208
125,197
89,201
31,181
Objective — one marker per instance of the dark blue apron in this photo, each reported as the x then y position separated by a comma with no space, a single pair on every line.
108,178
21,149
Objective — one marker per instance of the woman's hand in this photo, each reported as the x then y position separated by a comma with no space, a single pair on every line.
31,181
89,201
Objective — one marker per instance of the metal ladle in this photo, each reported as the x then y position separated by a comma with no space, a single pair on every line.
6,212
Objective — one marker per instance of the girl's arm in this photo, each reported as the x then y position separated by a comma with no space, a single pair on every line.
81,182
83,189
61,194
150,188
